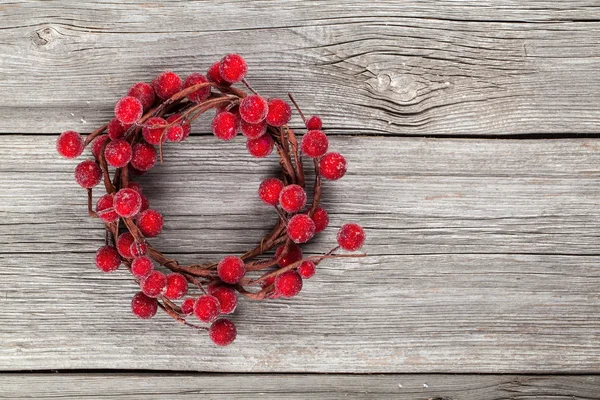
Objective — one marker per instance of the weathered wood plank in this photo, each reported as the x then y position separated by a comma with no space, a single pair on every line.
294,386
483,259
386,67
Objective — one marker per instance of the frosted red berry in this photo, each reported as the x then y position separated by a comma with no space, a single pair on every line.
201,94
227,297
321,219
233,68
135,186
231,269
185,126
98,145
292,198
128,110
225,125
187,305
253,109
214,75
153,130
143,306
118,153
314,123
143,156
177,286
127,202
88,174
116,129
253,131
288,284
107,259
332,166
351,237
150,223
124,242
167,84
293,254
300,228
154,284
138,249
222,332
269,191
105,210
141,267
279,112
207,308
70,144
260,147
314,144
144,93
307,269
145,203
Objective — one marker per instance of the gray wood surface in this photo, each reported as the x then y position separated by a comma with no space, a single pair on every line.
293,386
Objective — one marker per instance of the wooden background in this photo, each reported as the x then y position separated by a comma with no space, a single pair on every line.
471,129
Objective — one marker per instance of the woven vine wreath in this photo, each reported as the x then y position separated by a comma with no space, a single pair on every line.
151,114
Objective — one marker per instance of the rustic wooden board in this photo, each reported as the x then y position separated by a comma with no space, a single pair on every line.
483,258
294,386
381,67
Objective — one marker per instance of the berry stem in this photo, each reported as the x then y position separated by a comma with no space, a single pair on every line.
297,159
94,134
91,211
297,107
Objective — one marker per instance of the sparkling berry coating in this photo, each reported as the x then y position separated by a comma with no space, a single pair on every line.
233,68
128,110
214,75
105,210
332,166
107,259
314,123
141,267
70,144
269,191
279,113
185,126
187,305
154,284
201,94
143,306
167,84
98,144
138,249
307,269
231,269
177,286
321,219
153,130
118,153
292,198
207,308
253,109
150,222
116,129
227,297
225,125
222,332
124,242
144,156
288,284
260,147
314,144
351,237
175,133
253,131
294,254
88,174
300,228
127,202
144,93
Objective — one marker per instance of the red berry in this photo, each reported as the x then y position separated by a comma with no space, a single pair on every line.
135,186
88,174
127,202
118,153
269,191
288,284
314,144
107,259
292,198
260,147
294,254
226,296
231,269
153,130
145,203
279,113
143,157
185,125
207,308
314,123
105,210
351,237
233,68
143,306
124,242
253,131
138,249
253,109
201,94
177,286
222,332
154,284
307,269
141,267
225,125
116,129
70,144
150,223
300,228
98,144
187,305
144,93
321,219
332,166
128,110
214,75
167,84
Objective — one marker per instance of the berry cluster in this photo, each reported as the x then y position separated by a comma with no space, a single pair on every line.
162,111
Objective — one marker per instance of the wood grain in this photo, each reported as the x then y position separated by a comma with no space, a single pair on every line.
428,68
483,258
